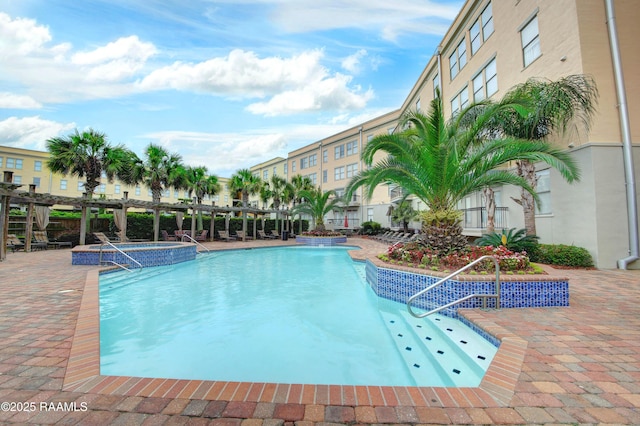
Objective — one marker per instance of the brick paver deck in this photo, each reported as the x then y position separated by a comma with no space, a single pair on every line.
579,364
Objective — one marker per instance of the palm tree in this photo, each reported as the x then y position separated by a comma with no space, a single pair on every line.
404,213
317,204
198,183
159,171
87,155
441,162
299,183
556,107
246,183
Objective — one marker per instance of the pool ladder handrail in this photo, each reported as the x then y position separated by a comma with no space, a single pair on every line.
102,244
193,240
462,299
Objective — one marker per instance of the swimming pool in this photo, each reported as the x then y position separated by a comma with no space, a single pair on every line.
271,315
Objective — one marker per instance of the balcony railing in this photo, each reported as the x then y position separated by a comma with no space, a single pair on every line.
476,218
352,223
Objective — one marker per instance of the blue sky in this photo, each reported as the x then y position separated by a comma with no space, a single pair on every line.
225,83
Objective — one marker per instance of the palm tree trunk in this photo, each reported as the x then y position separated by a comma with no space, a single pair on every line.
490,202
527,170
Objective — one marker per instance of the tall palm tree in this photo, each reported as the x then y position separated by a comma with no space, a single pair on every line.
159,171
557,107
87,155
198,183
441,162
317,204
299,183
404,213
246,183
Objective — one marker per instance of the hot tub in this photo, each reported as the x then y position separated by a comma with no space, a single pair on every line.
147,254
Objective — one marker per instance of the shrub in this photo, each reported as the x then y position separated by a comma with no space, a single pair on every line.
563,255
511,239
371,228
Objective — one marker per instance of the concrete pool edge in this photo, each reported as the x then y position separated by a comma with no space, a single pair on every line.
83,374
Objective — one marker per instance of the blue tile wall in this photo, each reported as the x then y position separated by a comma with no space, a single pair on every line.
320,241
148,255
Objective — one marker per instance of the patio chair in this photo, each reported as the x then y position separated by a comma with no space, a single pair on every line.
275,233
224,235
167,237
101,237
265,236
14,243
41,238
202,236
240,235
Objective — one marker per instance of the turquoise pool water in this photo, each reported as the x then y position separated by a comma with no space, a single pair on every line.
286,315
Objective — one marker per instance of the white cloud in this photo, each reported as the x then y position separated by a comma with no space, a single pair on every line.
21,36
352,62
30,132
13,101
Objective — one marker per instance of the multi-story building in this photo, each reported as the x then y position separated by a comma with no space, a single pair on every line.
490,47
30,167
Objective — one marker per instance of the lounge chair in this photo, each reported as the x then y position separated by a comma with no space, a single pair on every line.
265,236
224,235
167,237
100,236
242,236
41,238
14,243
202,236
275,233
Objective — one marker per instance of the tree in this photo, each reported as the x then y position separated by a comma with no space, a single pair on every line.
159,171
404,213
441,162
299,183
197,182
244,182
87,155
556,107
317,204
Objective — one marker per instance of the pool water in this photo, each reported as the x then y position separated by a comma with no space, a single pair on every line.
285,315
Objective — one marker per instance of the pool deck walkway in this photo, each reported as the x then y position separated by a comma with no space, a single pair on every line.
571,365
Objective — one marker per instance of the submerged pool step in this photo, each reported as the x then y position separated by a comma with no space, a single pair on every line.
460,354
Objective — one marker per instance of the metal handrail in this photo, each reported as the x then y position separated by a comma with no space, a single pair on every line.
118,265
192,239
470,296
102,243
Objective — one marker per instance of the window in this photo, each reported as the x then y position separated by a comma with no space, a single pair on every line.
265,174
390,130
275,170
544,192
324,176
325,156
293,166
37,166
436,86
458,59
313,160
63,184
339,151
369,214
530,41
369,138
352,148
338,173
460,102
304,163
485,84
352,170
313,177
36,182
418,105
286,168
81,186
103,188
481,29
116,189
138,190
103,174
14,163
0,161
17,179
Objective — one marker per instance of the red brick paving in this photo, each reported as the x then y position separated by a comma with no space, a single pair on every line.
579,364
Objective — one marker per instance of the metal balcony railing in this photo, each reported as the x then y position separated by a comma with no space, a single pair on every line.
476,218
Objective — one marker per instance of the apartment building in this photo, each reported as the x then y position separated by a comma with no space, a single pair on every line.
29,167
490,47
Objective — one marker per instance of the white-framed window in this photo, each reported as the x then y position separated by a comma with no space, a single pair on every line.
17,179
543,189
103,174
339,151
325,156
481,29
81,186
176,193
14,163
0,161
460,101
458,59
293,166
390,130
275,171
116,189
138,191
436,86
313,160
36,182
369,214
338,173
485,84
265,174
286,168
352,170
37,166
313,177
103,188
324,176
304,163
352,147
418,105
530,41
63,184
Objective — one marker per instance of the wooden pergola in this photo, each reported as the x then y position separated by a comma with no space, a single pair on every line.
11,194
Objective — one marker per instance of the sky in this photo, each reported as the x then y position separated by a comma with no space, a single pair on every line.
227,84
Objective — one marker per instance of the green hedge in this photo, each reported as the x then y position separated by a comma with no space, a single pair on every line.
562,255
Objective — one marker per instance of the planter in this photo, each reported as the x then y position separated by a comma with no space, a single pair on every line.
321,241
